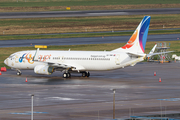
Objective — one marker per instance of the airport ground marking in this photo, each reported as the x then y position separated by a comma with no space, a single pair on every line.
29,113
171,99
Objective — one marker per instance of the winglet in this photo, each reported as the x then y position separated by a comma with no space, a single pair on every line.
36,55
153,49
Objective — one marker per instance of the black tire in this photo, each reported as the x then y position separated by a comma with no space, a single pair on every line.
18,73
64,75
69,75
88,74
84,74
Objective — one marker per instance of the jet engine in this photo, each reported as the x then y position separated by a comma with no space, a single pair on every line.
43,69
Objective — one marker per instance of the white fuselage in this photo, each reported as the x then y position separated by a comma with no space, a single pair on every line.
81,60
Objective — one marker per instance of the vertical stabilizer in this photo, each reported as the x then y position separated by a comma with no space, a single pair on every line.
137,42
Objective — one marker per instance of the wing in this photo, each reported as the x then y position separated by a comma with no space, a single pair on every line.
149,55
59,66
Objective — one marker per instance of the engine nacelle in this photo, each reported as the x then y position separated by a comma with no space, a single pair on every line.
43,69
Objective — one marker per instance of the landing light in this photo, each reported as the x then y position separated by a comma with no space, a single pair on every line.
40,46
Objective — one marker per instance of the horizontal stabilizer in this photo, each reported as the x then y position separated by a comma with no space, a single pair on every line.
136,55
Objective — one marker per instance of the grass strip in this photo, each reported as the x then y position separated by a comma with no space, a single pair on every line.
83,24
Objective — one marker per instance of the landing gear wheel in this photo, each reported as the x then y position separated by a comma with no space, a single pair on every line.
88,74
66,75
85,74
19,73
69,75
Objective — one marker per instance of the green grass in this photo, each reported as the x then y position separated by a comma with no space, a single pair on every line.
45,3
63,35
62,22
75,21
75,24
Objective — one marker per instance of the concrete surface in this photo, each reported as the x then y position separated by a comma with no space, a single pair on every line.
138,92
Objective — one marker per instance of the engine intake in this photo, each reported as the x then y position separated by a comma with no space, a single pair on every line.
43,69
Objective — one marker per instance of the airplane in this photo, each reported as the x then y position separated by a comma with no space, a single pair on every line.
176,57
48,61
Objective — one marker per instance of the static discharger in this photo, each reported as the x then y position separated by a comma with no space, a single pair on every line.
40,46
154,73
159,79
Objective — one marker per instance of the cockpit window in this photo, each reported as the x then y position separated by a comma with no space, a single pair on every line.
11,55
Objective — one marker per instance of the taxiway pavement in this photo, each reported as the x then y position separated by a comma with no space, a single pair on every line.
138,92
46,14
88,40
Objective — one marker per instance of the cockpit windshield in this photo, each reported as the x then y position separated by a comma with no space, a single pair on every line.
11,56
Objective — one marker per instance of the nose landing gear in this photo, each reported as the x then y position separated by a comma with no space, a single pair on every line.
19,72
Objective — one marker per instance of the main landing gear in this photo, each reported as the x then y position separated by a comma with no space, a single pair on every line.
19,72
66,75
85,74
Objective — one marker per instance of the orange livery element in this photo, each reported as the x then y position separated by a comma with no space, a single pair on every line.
130,43
44,58
29,59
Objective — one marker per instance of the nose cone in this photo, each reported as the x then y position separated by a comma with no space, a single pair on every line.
6,61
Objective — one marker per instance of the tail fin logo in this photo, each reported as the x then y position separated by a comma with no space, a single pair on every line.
140,35
144,32
137,41
131,40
